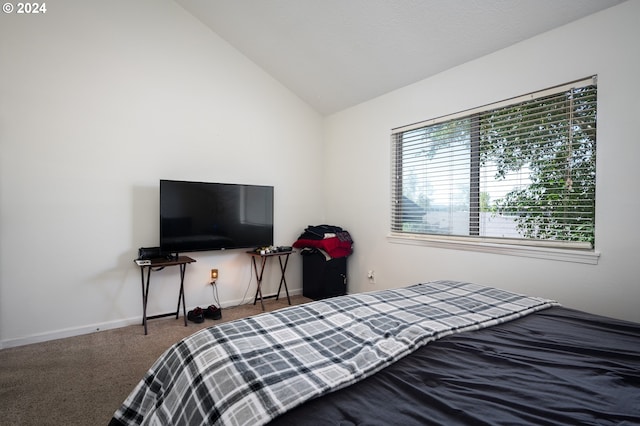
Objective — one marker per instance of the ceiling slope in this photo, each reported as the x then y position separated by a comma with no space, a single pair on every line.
337,53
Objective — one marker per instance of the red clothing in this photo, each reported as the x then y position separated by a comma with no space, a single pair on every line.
333,246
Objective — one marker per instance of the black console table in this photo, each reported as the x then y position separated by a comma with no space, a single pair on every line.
158,264
283,267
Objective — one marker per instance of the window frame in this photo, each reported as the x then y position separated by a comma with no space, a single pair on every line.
543,249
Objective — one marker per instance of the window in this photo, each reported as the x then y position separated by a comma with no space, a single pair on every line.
521,171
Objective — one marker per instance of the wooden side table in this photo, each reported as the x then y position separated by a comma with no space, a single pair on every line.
263,261
156,265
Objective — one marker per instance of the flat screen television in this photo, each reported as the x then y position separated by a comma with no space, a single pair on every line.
202,216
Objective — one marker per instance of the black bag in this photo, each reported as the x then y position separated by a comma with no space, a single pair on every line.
146,253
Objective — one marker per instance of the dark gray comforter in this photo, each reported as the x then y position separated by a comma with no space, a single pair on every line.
553,367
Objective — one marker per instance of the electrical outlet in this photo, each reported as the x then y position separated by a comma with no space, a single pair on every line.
214,275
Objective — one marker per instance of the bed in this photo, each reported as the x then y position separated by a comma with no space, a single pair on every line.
442,352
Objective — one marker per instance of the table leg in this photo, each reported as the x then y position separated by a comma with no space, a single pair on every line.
283,280
183,268
145,296
259,279
142,282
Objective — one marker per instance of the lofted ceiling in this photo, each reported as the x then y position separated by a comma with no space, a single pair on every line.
337,53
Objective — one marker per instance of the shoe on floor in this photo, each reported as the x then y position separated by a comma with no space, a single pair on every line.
196,315
213,312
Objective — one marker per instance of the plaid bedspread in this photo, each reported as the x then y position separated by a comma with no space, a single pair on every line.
249,371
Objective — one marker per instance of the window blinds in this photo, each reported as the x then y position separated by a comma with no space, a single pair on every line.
518,170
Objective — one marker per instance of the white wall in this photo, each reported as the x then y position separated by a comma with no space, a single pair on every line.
100,100
358,181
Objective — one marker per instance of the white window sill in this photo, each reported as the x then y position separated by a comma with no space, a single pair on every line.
559,254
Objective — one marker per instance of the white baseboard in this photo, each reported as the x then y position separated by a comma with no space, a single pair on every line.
78,331
68,332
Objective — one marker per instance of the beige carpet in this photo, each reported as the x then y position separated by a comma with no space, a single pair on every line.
82,380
